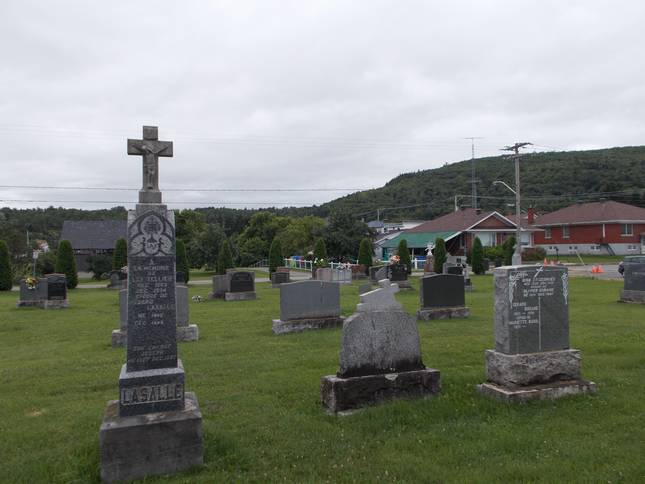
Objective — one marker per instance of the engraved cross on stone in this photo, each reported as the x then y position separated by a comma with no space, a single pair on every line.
151,149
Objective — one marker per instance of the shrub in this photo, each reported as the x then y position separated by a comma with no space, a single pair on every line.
404,255
182,259
365,253
275,256
320,253
508,248
65,263
120,258
46,263
439,254
6,278
478,257
533,254
224,258
99,265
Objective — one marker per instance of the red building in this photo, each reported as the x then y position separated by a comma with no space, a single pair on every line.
593,228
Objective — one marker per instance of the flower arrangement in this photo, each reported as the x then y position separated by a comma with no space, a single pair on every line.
321,263
31,283
395,259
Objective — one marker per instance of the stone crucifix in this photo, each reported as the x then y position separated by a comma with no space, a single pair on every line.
150,148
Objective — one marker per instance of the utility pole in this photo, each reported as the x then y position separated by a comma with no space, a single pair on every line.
517,256
472,167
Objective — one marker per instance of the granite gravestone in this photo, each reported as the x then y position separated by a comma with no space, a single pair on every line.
220,287
49,292
307,305
453,269
186,331
442,296
381,273
373,270
119,336
323,274
155,427
380,357
118,279
342,276
241,285
634,286
532,357
278,278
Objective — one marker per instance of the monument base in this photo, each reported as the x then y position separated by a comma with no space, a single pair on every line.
239,296
119,338
188,333
148,391
150,444
341,394
215,295
631,296
532,368
536,392
55,304
299,325
443,313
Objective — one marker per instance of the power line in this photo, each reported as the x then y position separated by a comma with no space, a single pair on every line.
124,189
168,202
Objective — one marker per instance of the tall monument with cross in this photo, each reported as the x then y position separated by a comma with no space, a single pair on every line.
155,427
150,148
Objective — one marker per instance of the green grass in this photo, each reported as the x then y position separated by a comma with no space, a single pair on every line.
589,259
259,395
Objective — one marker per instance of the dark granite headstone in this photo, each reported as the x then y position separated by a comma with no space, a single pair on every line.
397,272
442,290
454,270
56,287
309,299
634,275
531,309
34,296
279,278
180,278
241,281
373,271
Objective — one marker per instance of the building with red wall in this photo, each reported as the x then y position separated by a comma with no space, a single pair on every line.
593,228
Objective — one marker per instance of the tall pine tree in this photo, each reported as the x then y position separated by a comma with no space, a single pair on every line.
224,258
404,255
66,264
6,277
120,257
275,256
182,259
477,258
365,254
439,254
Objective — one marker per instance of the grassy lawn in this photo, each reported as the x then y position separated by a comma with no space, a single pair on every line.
589,259
259,395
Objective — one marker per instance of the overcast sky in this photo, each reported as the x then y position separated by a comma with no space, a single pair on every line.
303,94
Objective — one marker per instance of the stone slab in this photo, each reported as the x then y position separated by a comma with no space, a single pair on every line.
241,281
309,300
532,368
630,296
378,342
397,272
443,313
537,392
239,296
404,284
181,298
531,309
188,333
381,298
123,309
634,274
220,287
442,290
342,394
305,324
150,444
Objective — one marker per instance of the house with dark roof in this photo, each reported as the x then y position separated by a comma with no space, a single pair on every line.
593,228
459,230
92,237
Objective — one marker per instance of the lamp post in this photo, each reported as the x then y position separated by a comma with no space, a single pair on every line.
517,255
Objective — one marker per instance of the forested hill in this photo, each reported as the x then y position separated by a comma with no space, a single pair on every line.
548,181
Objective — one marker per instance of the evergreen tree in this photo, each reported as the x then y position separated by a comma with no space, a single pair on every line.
66,264
224,258
439,254
120,258
404,255
365,254
6,277
182,259
275,256
478,257
320,253
509,249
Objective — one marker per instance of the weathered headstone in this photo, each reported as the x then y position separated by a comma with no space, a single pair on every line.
155,427
220,287
399,273
119,336
532,358
634,286
49,292
342,276
185,330
307,305
118,279
373,270
380,357
442,296
323,274
241,285
381,273
278,278
453,269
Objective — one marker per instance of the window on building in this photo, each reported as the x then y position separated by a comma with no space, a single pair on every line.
626,230
565,231
547,233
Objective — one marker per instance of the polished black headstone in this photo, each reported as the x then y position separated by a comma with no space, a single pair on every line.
56,287
455,270
442,291
634,275
241,281
397,272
